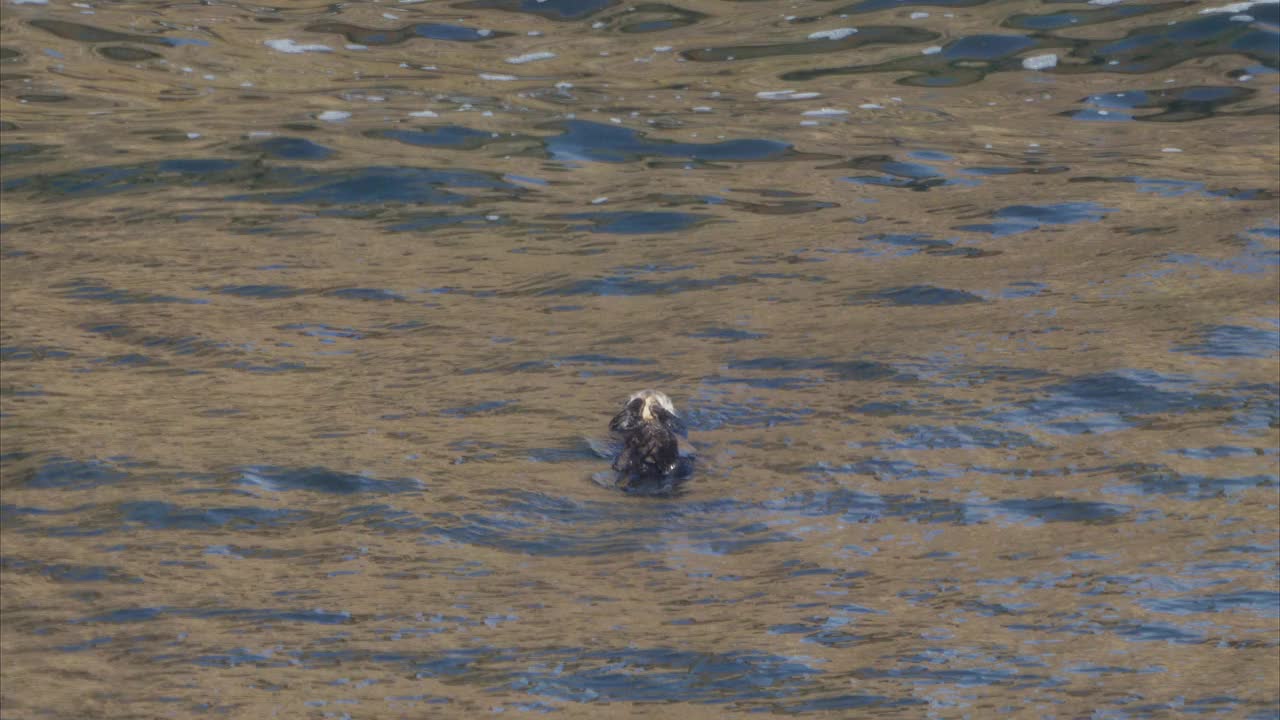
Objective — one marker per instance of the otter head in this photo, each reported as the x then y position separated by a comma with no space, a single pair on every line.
648,407
652,402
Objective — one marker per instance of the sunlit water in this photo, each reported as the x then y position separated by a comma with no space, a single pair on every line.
314,317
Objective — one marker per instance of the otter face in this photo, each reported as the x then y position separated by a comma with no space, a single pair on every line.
651,400
648,407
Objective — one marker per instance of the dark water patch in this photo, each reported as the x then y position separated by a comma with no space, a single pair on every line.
376,186
1234,341
1220,451
269,367
785,207
911,243
834,369
492,407
1159,480
1109,401
22,152
132,360
1055,509
595,359
1081,17
838,42
442,221
366,294
846,702
959,677
1024,218
358,186
455,137
999,170
821,631
110,179
896,173
574,674
147,614
1262,602
855,506
1152,48
324,333
1177,188
915,295
324,480
155,515
631,223
124,53
1156,632
1178,104
718,333
628,284
60,473
90,34
936,437
865,6
881,469
574,450
653,17
715,414
29,353
558,10
544,525
289,148
658,674
1258,409
181,346
43,98
596,142
968,60
963,61
98,291
767,383
66,573
261,292
1254,259
430,31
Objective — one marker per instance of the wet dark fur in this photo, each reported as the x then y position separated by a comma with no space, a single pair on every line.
650,448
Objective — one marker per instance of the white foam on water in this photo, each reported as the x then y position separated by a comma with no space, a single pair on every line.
285,45
1238,7
1040,62
837,34
786,95
530,57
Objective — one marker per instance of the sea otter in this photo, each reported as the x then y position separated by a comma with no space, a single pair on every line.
649,432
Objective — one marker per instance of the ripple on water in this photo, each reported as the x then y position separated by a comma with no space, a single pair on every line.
916,295
632,222
836,42
1025,218
1109,401
581,140
430,31
1181,104
320,479
1142,479
455,137
1234,341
